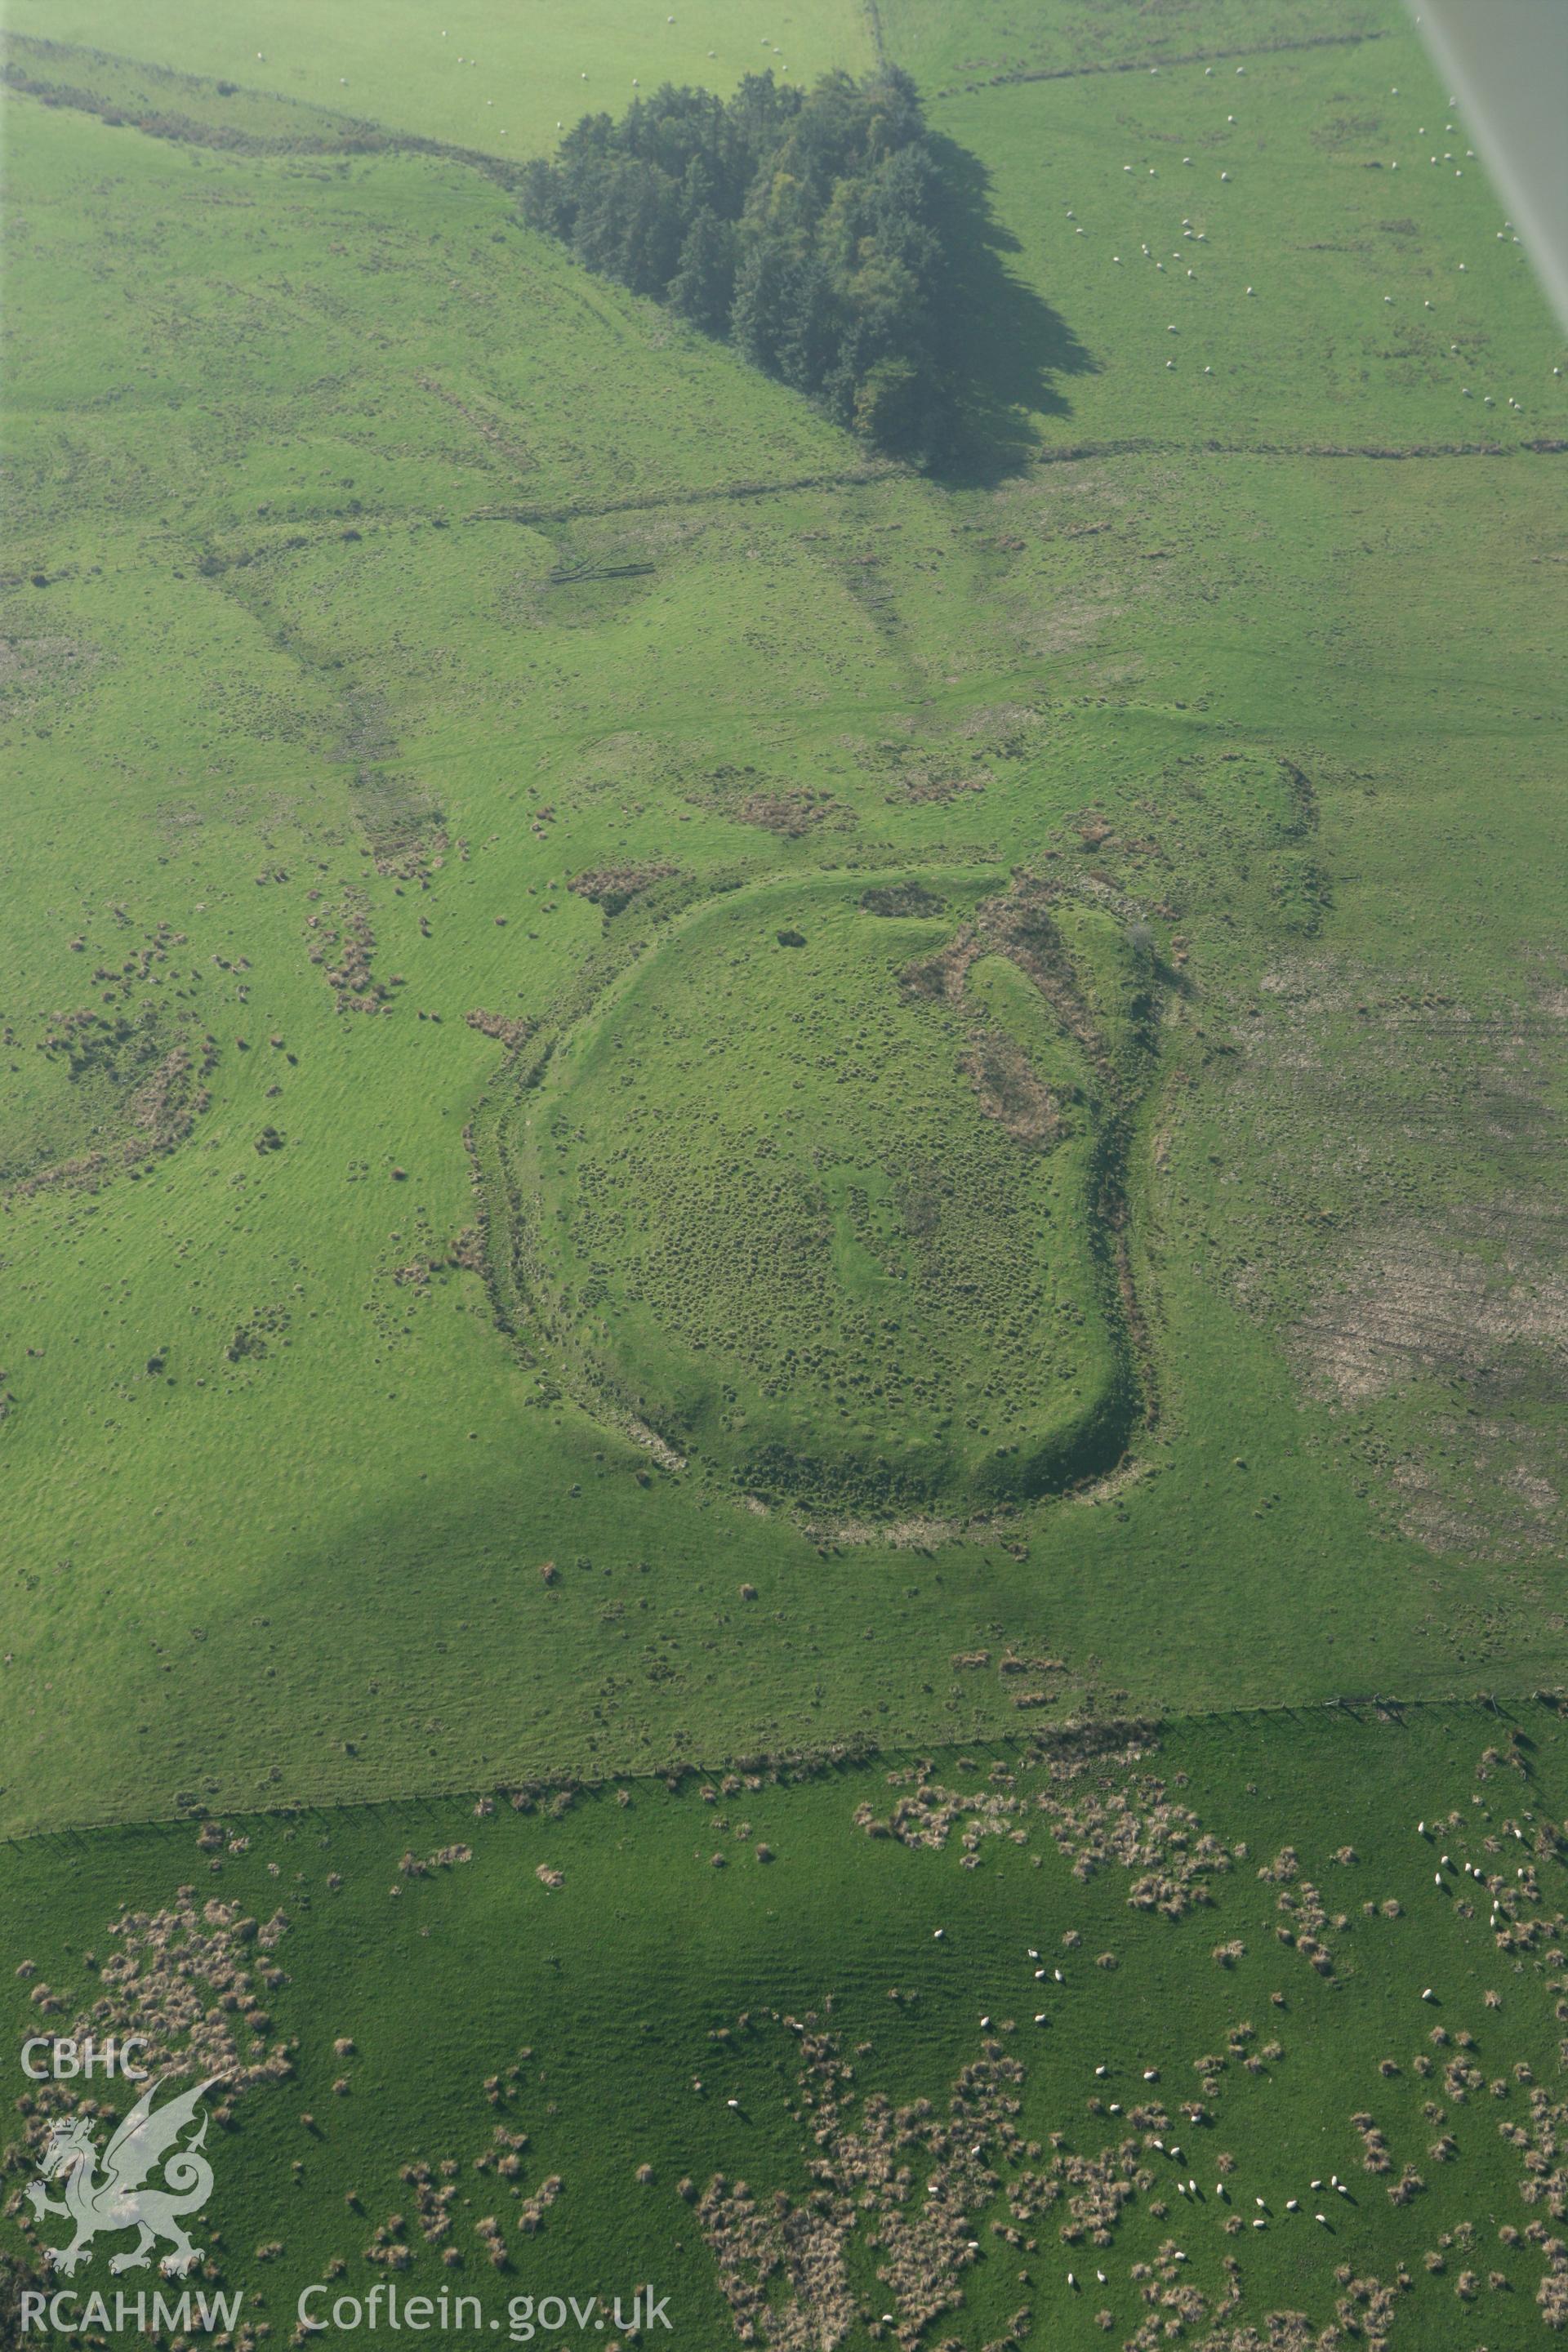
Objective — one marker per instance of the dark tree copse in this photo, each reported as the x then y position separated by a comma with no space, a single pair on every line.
806,229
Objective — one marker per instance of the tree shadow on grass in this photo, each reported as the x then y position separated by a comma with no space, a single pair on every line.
1006,349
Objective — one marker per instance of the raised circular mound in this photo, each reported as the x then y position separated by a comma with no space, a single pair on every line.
816,1192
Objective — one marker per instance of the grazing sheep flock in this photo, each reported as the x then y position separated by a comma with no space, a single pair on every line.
1041,2153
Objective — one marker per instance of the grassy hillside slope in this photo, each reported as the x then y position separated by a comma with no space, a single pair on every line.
379,576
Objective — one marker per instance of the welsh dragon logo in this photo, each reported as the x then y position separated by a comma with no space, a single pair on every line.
117,2199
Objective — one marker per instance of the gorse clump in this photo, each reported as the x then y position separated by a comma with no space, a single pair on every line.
804,227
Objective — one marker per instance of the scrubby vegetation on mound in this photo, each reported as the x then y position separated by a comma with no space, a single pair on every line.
833,1201
810,229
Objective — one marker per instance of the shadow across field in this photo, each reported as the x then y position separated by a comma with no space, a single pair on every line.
1008,350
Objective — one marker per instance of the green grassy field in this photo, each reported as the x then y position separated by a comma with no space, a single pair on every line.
478,1309
498,81
998,39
